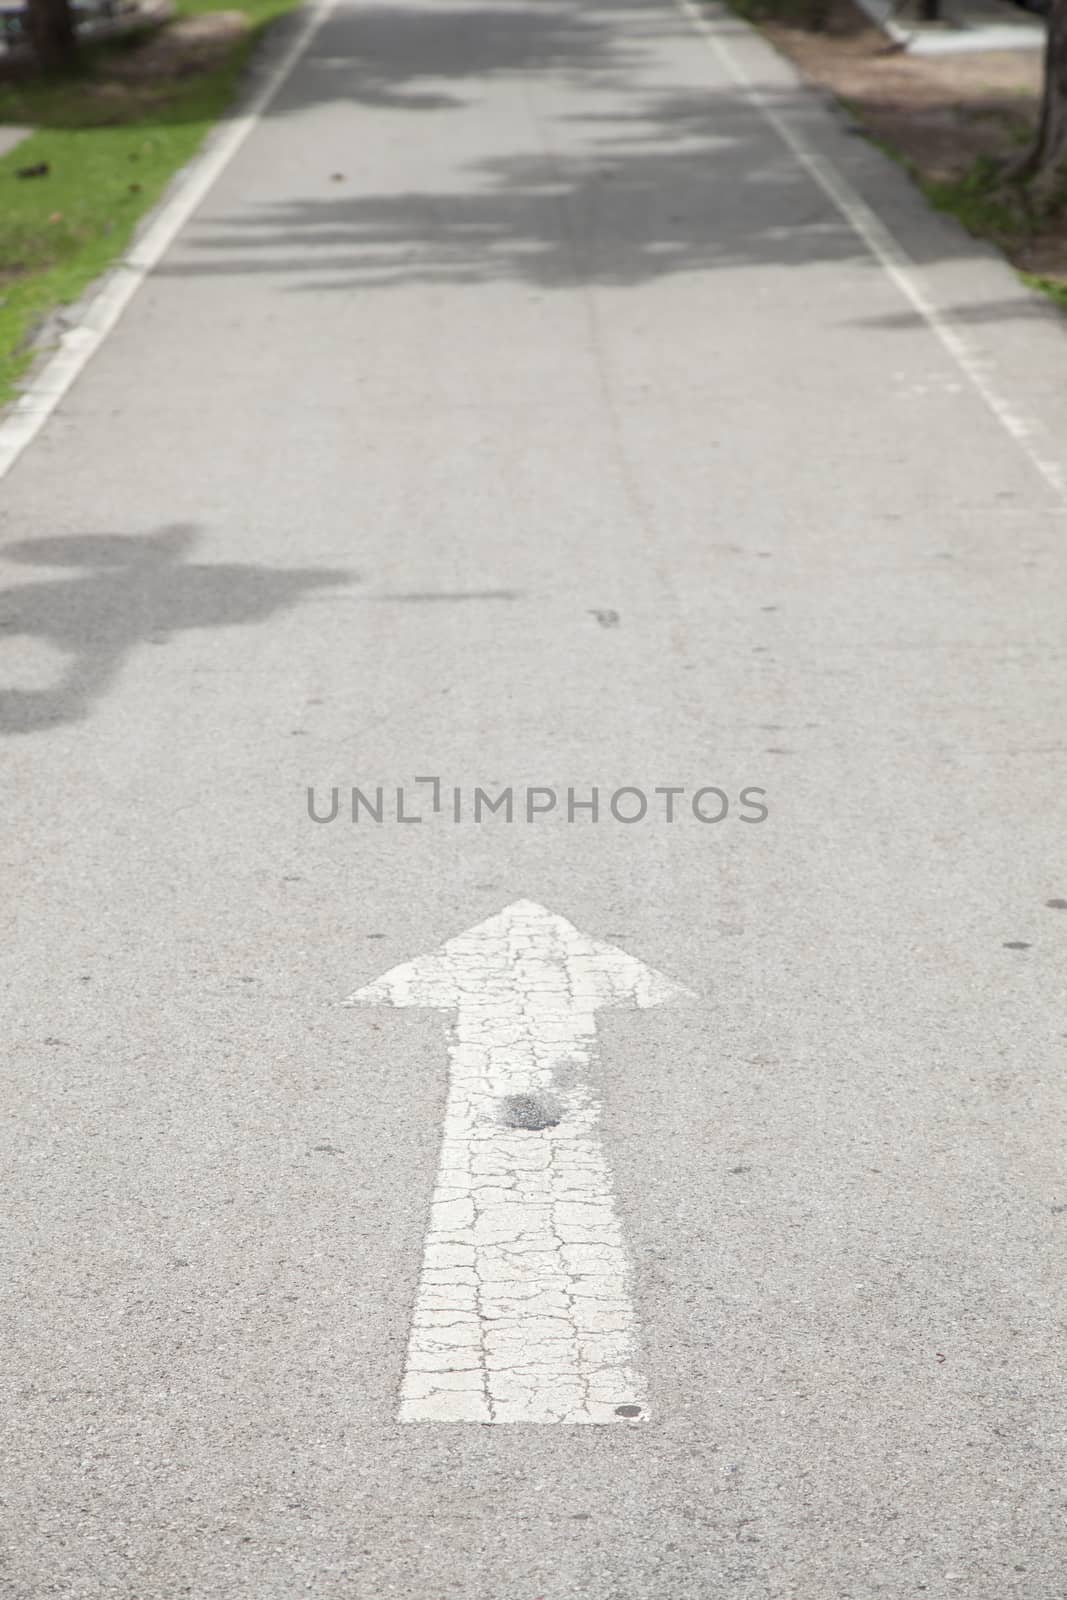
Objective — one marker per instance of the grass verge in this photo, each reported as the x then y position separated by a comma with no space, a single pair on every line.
111,138
1020,222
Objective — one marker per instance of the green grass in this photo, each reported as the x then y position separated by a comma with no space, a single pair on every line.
984,203
1055,288
111,150
979,202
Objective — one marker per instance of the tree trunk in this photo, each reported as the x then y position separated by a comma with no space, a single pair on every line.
1050,143
51,30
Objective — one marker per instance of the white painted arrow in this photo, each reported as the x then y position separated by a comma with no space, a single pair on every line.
523,1312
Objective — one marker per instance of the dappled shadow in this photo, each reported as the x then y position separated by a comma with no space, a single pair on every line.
136,589
575,144
407,57
667,185
1021,308
413,57
555,144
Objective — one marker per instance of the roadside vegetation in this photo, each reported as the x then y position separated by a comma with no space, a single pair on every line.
979,133
109,134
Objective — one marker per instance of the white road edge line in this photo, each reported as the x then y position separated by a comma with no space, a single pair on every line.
79,343
890,255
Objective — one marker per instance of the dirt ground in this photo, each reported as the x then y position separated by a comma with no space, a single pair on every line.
184,47
941,113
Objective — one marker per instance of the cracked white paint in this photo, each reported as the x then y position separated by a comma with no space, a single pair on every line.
523,1312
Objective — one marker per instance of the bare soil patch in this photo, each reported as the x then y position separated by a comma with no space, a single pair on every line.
952,118
181,48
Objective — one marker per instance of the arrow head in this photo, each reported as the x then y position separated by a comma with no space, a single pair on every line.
528,952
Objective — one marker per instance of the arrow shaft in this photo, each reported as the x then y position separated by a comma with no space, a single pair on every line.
523,1312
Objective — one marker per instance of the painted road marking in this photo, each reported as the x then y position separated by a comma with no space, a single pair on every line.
523,1311
1030,435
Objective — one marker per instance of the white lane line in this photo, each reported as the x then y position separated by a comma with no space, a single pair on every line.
523,1311
78,344
890,255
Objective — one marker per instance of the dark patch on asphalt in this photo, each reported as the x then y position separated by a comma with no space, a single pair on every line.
627,1411
734,1170
535,1111
1016,944
122,591
607,619
1056,905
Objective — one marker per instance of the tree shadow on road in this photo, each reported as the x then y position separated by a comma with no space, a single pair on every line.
660,186
628,168
132,589
412,57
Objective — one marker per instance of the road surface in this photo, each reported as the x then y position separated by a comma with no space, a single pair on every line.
545,398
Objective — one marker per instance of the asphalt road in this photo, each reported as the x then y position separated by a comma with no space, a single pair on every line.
529,406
